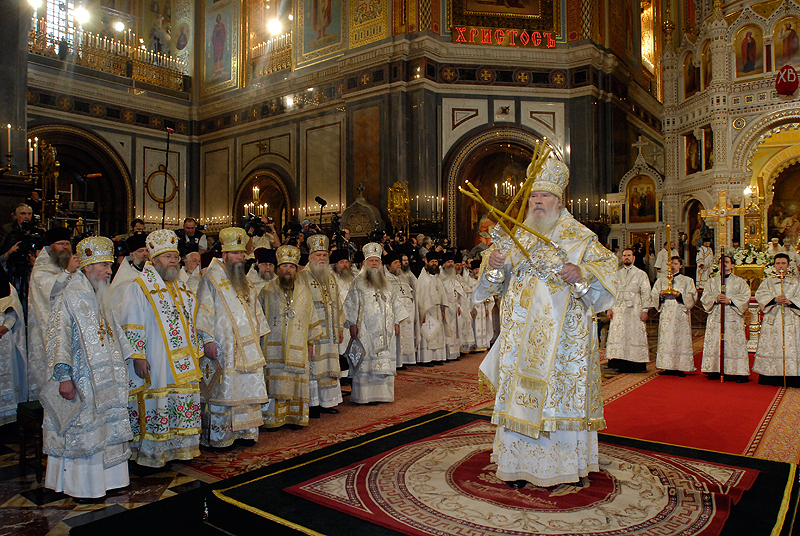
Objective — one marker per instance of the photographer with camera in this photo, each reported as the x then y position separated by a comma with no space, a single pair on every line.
190,239
21,242
262,233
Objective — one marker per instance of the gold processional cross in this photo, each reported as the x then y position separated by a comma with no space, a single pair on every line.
722,212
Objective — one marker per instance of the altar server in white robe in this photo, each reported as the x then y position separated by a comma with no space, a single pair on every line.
626,347
778,351
663,259
407,338
481,311
545,365
735,300
231,324
192,271
674,356
86,429
160,344
373,316
13,373
454,328
705,260
431,304
55,263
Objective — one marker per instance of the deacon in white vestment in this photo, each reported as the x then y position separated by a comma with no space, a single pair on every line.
545,365
162,351
663,259
86,429
626,347
406,267
705,260
231,325
192,271
50,272
431,303
407,338
481,311
324,371
289,309
778,351
13,373
373,315
675,355
454,328
735,299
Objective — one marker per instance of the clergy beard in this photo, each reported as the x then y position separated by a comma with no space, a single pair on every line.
167,273
318,270
627,263
375,277
266,276
542,222
60,259
406,268
450,272
347,274
433,270
235,272
100,288
397,272
286,281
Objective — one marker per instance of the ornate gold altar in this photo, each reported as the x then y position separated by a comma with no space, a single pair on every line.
399,207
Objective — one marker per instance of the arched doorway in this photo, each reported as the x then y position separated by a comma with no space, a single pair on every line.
489,161
272,196
81,153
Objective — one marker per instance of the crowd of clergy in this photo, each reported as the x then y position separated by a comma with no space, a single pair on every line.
148,356
725,297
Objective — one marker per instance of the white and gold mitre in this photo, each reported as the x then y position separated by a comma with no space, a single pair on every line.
553,177
95,249
288,255
317,242
233,239
373,249
161,241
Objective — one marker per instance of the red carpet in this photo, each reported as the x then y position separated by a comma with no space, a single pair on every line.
446,484
692,411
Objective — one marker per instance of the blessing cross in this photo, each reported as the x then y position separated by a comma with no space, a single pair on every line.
722,212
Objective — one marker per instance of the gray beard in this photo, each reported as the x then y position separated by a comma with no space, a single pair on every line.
346,275
238,278
266,276
168,273
60,259
319,271
542,223
449,273
375,277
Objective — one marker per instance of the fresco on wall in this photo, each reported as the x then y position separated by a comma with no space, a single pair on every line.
786,42
784,213
749,50
641,197
321,28
369,21
707,65
221,50
691,76
692,154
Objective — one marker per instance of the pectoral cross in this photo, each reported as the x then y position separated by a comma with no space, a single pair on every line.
722,212
103,330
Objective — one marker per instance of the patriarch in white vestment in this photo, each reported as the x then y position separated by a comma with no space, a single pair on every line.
407,338
545,365
160,344
735,300
231,324
373,316
626,346
294,325
86,429
778,352
324,371
53,266
431,304
674,355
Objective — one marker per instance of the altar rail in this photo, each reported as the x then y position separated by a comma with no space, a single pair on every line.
109,56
